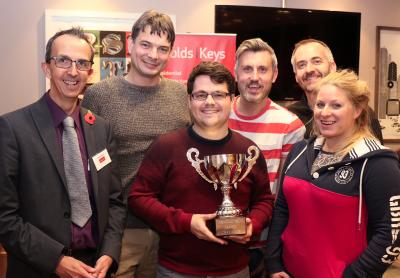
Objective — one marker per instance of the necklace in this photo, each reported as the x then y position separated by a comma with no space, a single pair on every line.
323,159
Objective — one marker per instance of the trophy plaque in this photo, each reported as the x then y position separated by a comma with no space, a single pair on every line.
225,171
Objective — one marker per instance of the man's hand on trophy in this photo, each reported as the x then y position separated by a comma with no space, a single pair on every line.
281,274
243,239
200,230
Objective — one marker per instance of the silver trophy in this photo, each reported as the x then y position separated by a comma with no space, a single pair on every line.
225,170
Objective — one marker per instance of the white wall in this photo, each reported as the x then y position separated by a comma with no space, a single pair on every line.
22,32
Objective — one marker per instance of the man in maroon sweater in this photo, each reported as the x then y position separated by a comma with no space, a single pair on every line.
173,198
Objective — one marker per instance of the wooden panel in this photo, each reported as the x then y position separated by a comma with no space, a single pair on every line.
3,262
393,271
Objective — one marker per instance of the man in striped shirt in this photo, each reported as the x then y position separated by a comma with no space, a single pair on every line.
257,117
254,115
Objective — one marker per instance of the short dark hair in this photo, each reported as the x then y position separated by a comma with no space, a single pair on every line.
75,32
217,72
327,50
158,22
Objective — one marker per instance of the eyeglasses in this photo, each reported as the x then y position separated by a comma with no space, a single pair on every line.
66,62
202,96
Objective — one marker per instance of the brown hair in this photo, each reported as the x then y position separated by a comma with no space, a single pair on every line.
158,22
217,72
74,32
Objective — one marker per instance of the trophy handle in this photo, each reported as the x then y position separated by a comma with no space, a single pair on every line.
251,160
196,162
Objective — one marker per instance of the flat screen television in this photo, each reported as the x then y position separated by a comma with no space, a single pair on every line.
282,28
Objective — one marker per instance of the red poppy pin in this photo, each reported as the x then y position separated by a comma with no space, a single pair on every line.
89,117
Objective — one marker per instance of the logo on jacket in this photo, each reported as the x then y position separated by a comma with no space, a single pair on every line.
344,174
392,251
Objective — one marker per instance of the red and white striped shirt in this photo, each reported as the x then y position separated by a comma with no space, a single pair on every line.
274,130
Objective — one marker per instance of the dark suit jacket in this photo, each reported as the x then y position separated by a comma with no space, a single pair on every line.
35,224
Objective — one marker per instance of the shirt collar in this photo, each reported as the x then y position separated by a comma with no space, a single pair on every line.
59,115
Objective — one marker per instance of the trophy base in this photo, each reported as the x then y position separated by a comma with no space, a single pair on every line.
225,226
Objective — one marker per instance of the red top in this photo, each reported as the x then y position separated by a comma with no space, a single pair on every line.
168,190
327,246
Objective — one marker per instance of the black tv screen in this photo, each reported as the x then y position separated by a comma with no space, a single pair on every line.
282,28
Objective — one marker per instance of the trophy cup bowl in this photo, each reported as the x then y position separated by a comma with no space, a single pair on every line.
226,170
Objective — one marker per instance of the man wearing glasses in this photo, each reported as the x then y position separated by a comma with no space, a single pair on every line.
61,206
171,195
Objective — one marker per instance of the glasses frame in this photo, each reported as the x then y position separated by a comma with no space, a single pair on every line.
77,65
212,94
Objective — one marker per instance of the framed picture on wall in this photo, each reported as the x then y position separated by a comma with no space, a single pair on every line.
387,77
108,33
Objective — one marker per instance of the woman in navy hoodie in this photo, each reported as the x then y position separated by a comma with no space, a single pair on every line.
338,209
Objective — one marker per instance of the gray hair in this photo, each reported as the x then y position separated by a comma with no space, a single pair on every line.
328,51
255,45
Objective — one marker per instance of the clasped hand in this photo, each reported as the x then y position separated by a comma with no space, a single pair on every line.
69,267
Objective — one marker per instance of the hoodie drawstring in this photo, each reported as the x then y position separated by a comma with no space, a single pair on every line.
294,160
361,196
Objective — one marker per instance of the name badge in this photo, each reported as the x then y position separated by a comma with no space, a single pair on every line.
101,159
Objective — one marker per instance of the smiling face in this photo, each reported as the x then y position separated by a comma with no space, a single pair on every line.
255,76
67,84
311,63
334,114
209,115
149,55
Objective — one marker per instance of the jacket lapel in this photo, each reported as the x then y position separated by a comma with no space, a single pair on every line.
43,120
90,141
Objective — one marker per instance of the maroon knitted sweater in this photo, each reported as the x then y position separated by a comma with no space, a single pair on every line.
168,191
